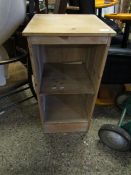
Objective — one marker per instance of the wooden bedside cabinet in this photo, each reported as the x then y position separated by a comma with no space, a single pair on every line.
68,55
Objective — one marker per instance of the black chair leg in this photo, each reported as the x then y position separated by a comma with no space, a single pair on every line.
126,34
30,73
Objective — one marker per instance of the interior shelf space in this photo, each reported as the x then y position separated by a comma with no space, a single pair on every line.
66,79
65,108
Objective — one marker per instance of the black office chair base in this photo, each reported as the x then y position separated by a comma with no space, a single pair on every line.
19,80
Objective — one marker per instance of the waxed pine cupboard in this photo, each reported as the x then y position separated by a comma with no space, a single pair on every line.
68,55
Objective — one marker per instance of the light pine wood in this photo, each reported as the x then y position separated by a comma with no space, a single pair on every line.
66,127
67,67
68,40
67,25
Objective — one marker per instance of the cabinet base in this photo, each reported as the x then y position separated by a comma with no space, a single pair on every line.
65,127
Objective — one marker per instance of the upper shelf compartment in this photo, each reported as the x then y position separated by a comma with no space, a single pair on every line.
66,79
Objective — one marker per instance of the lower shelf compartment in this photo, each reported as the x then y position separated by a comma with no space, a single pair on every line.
65,108
65,113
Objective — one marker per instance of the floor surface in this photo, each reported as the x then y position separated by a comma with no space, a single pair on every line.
26,150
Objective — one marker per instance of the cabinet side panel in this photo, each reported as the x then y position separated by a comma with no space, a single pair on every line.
37,56
95,64
37,66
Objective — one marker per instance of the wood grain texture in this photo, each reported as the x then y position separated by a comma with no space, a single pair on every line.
68,40
67,25
65,127
83,41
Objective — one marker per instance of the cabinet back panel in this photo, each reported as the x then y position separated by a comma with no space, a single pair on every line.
62,53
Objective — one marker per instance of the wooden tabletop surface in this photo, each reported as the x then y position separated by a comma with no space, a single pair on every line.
67,25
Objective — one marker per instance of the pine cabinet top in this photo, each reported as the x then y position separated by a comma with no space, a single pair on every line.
67,25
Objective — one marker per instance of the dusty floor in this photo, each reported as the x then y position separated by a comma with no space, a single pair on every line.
26,150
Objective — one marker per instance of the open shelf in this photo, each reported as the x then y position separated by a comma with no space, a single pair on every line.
65,108
66,79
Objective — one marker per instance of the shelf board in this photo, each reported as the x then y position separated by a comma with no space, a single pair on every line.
66,79
65,109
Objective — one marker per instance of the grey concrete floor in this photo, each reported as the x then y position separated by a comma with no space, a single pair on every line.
26,150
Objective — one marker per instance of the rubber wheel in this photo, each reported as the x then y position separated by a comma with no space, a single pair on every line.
114,137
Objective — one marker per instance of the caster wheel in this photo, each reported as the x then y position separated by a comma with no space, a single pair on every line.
114,137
